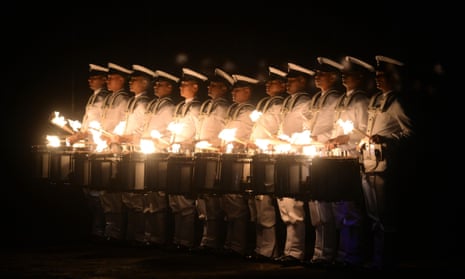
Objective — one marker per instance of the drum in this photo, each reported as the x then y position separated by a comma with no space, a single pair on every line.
335,179
206,172
81,169
139,171
235,173
293,175
156,171
263,174
53,164
180,173
103,170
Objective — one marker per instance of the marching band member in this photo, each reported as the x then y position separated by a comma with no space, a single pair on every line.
321,114
213,116
389,128
292,209
266,127
235,204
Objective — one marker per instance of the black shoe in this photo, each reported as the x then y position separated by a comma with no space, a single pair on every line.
258,258
318,264
289,261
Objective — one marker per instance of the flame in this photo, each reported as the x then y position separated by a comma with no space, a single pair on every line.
175,127
229,148
283,148
75,125
310,150
58,120
155,134
53,141
96,131
203,144
227,135
119,129
262,144
301,138
347,126
147,146
255,115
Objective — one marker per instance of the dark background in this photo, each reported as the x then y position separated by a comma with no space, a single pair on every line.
48,50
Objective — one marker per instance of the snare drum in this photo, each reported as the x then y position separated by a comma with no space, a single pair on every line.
140,171
335,179
156,171
180,173
81,169
53,164
293,174
131,171
263,174
235,173
206,172
103,170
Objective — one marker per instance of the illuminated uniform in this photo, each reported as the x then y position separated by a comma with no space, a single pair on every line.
389,128
320,124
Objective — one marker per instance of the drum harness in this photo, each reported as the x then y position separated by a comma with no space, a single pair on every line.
317,103
103,94
154,106
110,101
289,104
378,103
132,104
265,103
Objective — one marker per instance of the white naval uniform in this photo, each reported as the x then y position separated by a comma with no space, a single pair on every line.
263,206
213,116
320,124
235,204
134,202
292,210
183,206
348,214
159,113
114,111
386,117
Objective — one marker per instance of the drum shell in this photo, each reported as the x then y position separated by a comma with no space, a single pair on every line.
103,171
264,175
180,169
139,171
335,179
235,173
81,169
293,175
53,164
206,172
156,171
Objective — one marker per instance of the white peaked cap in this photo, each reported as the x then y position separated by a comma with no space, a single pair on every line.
193,74
144,70
276,71
117,68
219,72
297,68
166,75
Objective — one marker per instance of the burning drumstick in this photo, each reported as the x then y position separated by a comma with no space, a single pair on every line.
228,135
255,115
348,126
61,122
100,130
157,135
